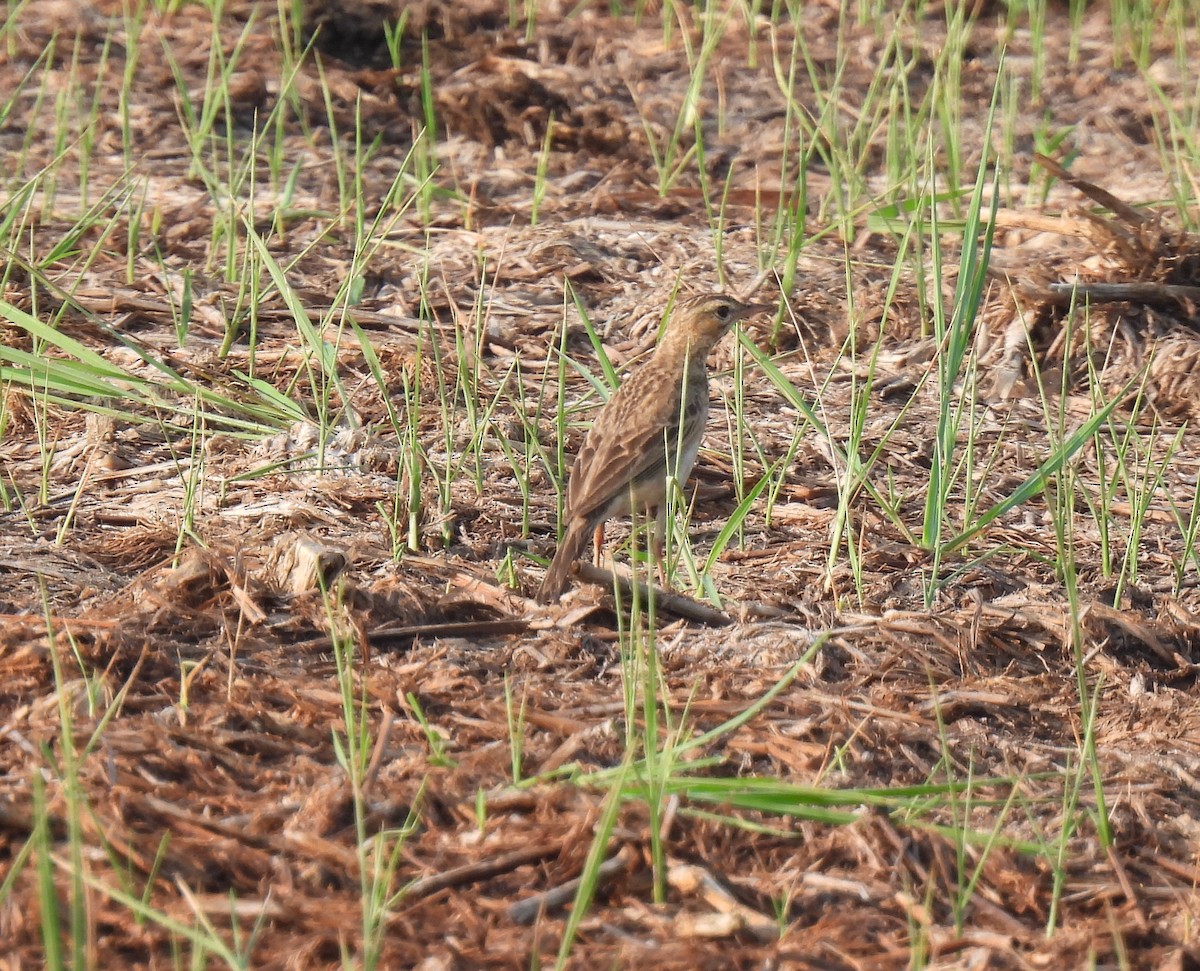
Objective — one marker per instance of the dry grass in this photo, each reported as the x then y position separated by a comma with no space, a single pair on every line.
151,630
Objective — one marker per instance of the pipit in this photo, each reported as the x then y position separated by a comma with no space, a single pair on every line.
649,430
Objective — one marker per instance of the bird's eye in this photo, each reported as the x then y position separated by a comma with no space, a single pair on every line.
723,311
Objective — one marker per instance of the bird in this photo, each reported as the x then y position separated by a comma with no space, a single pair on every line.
648,430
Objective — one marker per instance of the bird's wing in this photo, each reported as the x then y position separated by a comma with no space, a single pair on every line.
625,440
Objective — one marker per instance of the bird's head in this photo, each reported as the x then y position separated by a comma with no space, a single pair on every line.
703,320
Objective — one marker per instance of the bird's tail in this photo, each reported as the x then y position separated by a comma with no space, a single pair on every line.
560,567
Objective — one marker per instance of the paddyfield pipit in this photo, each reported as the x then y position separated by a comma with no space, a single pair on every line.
649,430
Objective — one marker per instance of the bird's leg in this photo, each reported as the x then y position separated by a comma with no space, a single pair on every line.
658,537
598,545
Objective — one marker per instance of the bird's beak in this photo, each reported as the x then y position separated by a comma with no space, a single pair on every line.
753,309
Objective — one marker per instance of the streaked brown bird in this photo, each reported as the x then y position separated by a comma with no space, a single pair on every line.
650,429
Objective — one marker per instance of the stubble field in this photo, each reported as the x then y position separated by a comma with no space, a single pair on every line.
304,310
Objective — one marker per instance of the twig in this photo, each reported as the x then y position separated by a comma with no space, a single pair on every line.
672,603
1063,294
484,869
1139,915
1122,210
526,911
693,880
466,628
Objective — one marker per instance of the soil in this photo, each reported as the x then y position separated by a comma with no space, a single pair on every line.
180,579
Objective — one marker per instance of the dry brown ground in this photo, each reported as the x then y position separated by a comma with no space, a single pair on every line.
244,779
